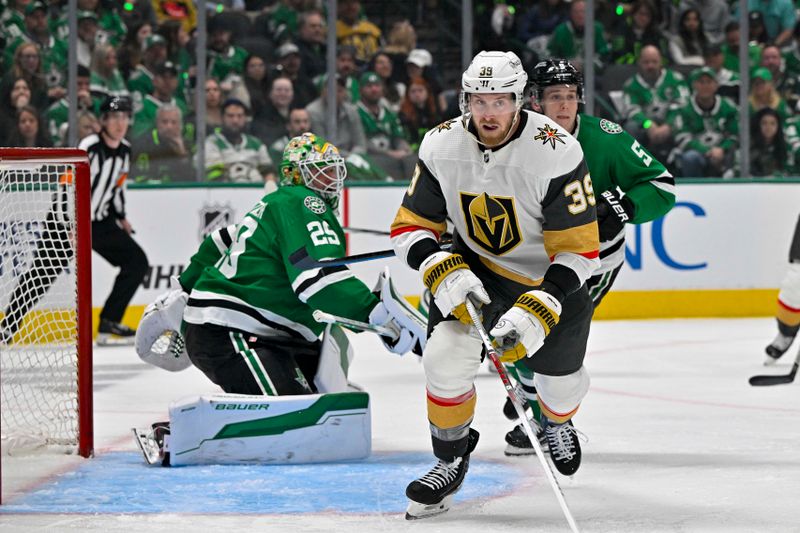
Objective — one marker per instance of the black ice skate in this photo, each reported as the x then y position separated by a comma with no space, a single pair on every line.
433,493
152,443
518,442
508,407
565,448
114,334
777,348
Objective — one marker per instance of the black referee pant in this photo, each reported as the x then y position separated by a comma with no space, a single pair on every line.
114,245
52,256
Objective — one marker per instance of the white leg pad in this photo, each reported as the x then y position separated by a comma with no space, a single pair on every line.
334,360
451,359
790,287
237,429
562,394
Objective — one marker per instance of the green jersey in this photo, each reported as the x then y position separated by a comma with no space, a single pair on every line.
382,131
701,130
145,119
652,102
211,249
616,159
569,44
229,62
254,288
110,26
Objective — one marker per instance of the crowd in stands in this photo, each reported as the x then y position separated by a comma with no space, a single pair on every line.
668,71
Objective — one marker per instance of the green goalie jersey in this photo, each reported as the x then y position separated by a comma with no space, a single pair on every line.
253,287
616,159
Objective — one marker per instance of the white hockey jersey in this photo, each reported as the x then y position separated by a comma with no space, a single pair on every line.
519,207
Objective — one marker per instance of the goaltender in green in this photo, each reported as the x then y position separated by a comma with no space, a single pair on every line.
248,325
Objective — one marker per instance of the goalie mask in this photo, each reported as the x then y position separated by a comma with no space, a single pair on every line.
312,161
555,72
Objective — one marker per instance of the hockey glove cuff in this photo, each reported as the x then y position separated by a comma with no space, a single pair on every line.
450,281
613,212
522,329
402,339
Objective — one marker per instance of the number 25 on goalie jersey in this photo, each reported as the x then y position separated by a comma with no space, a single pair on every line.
518,208
254,287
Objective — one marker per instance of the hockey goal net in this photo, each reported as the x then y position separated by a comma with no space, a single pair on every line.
45,301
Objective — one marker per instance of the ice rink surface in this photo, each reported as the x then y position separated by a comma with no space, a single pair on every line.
677,442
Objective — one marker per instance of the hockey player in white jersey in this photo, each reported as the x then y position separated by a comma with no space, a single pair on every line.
787,314
525,241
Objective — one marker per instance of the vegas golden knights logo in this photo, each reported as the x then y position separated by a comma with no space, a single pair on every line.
491,221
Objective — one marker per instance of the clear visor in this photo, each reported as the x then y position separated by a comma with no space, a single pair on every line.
325,176
473,103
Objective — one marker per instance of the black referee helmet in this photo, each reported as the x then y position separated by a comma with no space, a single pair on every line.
116,103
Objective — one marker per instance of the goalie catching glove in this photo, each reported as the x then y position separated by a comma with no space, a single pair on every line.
522,329
450,281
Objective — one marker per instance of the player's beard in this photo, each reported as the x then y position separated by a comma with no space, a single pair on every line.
497,136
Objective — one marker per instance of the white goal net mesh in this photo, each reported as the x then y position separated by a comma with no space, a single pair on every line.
38,306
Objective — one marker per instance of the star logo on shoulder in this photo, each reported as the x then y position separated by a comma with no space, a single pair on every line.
446,125
548,134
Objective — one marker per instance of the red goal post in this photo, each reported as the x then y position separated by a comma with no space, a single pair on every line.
46,347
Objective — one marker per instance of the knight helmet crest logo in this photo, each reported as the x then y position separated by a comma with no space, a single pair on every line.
491,221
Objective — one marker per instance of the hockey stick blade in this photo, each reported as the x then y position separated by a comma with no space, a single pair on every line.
302,261
761,381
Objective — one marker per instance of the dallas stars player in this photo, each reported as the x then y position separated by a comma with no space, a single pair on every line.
525,240
249,318
632,186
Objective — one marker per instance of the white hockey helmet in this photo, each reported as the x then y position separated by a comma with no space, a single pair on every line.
494,73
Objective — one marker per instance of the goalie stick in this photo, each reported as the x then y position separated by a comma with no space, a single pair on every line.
501,371
367,231
327,318
759,381
302,261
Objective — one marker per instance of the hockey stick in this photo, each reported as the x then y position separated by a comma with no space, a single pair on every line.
759,381
302,261
327,318
367,231
495,358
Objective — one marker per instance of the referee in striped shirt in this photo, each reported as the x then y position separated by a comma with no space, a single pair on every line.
109,163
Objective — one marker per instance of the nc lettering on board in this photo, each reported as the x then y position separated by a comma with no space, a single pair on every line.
634,246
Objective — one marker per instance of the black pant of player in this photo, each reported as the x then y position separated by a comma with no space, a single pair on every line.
242,363
52,256
54,250
114,245
600,284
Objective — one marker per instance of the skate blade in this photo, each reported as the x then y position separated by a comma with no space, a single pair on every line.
417,511
513,451
147,446
106,339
